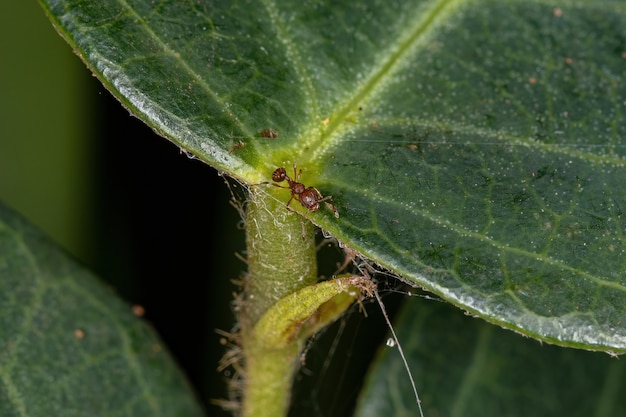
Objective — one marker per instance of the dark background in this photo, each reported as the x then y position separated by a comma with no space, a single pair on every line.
167,239
126,203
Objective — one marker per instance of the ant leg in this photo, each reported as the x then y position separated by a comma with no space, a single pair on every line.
331,205
328,200
289,202
270,183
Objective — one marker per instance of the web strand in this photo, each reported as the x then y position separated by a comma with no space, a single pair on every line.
406,364
393,333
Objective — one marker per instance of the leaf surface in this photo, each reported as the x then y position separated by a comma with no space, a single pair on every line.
69,346
465,367
474,148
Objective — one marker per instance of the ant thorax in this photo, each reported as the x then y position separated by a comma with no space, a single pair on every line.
297,188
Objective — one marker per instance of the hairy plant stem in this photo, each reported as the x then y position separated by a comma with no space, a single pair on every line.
280,263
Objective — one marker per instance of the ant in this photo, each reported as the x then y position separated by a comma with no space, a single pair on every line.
309,197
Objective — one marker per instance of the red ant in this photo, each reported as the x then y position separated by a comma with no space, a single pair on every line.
309,197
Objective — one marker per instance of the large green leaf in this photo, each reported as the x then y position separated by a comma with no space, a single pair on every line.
69,346
465,367
475,148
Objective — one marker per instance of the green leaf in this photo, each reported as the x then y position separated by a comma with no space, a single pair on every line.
465,367
69,346
474,148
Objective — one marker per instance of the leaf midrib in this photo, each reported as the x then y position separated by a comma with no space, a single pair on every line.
396,56
292,55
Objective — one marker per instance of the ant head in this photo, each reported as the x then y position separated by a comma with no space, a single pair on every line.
279,175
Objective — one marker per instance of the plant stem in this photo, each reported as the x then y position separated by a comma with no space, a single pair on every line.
280,262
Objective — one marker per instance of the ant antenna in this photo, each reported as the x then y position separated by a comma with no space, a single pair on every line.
395,339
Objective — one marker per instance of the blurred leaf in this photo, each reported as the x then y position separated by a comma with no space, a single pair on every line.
50,157
68,346
465,367
474,148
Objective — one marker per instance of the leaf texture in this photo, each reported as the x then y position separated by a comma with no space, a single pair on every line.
475,148
69,345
